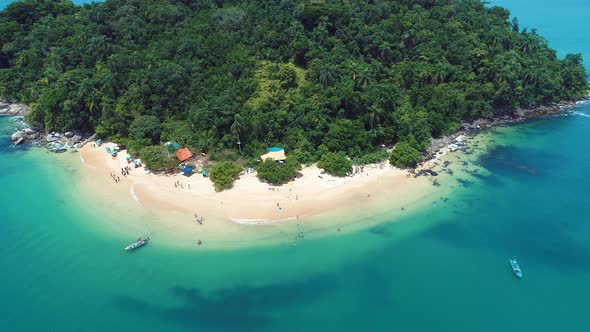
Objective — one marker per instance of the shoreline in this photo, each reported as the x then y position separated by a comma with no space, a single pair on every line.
255,213
251,207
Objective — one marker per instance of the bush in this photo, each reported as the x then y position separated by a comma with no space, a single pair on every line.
374,157
302,157
223,174
335,163
146,126
156,159
275,173
134,146
405,155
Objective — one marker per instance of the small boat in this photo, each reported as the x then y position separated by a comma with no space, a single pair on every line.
515,267
137,244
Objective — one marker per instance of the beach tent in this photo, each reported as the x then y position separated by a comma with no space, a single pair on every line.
274,153
187,170
183,154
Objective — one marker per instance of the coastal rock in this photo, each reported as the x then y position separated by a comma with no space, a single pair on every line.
57,135
18,135
76,138
29,131
69,134
14,109
51,139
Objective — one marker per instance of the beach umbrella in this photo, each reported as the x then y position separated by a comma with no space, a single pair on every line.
128,158
108,149
136,161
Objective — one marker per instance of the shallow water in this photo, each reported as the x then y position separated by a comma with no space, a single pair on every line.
442,268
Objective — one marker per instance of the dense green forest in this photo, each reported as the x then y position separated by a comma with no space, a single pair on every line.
313,76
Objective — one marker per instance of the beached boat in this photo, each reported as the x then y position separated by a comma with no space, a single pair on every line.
515,267
137,244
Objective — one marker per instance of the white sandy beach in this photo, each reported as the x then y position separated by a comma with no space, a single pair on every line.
252,207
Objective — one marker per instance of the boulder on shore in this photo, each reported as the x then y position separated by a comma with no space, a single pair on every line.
14,109
18,135
69,134
51,139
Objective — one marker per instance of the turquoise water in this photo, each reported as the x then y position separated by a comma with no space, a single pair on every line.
4,3
442,268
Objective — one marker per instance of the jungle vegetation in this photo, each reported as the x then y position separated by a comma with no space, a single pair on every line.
313,76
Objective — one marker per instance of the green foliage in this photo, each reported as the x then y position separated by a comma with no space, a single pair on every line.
156,159
146,126
335,163
374,157
405,155
223,174
313,76
277,173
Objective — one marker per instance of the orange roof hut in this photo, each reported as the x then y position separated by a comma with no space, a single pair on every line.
183,154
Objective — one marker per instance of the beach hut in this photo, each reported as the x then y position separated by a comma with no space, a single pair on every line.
187,170
183,154
274,153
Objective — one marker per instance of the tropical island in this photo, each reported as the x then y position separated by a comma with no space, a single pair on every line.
339,83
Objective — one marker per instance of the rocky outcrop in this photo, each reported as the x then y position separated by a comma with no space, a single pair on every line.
454,142
14,109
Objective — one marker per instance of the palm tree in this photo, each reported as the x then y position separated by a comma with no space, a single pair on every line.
361,78
327,75
238,127
374,117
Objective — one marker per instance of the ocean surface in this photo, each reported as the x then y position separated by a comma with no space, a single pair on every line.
520,191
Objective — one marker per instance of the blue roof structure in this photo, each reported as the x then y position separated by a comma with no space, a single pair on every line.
187,170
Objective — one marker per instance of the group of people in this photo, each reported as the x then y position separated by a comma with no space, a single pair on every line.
199,219
178,184
115,177
125,170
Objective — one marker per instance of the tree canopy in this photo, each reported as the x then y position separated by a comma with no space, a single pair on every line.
278,173
335,163
223,174
342,76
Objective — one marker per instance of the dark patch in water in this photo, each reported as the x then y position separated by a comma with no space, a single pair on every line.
507,159
465,183
382,230
547,240
240,308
